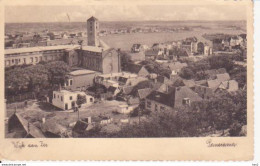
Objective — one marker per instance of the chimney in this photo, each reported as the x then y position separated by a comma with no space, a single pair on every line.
167,88
43,120
28,127
89,120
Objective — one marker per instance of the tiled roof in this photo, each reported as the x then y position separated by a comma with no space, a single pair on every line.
189,83
32,130
143,93
163,98
223,77
92,19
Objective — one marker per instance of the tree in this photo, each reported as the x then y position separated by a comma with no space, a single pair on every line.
125,60
58,71
186,73
38,75
16,80
81,99
221,61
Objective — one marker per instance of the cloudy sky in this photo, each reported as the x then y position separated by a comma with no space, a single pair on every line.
123,13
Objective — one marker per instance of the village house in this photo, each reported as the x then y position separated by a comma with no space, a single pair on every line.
175,97
137,69
230,86
80,79
114,79
66,100
175,67
136,48
152,54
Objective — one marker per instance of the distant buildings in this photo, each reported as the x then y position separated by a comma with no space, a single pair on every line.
96,56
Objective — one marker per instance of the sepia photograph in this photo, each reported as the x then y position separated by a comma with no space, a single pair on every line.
144,72
140,77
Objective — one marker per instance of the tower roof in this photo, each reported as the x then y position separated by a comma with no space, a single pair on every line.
92,19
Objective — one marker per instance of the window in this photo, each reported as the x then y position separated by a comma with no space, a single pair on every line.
61,98
31,59
24,60
54,96
16,61
12,61
186,101
70,97
91,99
148,104
36,59
70,82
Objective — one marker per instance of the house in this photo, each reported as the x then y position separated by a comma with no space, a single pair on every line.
175,67
81,126
175,97
152,54
21,128
137,69
66,100
230,86
80,79
136,48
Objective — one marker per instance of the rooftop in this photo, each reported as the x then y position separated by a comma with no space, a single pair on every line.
37,49
81,72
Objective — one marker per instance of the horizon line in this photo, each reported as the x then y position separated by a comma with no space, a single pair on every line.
129,21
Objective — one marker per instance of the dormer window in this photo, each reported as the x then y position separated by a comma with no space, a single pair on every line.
186,101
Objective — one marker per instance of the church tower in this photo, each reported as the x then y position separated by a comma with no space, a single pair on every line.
92,31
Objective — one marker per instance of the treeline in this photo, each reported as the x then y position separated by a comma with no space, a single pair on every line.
196,70
224,115
30,78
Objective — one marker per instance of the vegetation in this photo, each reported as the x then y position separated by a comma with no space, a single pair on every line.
224,115
81,99
196,70
154,67
31,78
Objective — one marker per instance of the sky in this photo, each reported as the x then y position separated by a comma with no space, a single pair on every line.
22,14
